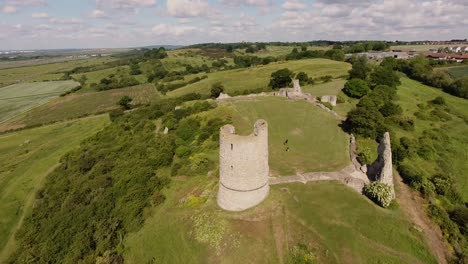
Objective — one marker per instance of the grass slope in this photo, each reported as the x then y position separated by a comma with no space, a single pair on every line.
24,166
79,105
259,77
19,98
411,93
344,228
316,141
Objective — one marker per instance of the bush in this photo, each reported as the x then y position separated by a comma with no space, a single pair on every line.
216,90
124,102
303,78
390,109
281,78
328,105
365,156
356,88
439,100
301,254
412,176
379,192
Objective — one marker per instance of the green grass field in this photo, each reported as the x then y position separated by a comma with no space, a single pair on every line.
79,105
26,157
420,47
315,140
338,224
411,93
45,72
18,98
330,88
456,72
259,77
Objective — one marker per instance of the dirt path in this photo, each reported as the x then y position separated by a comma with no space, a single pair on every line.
411,203
11,243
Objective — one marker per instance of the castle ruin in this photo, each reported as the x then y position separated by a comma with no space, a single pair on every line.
381,170
244,168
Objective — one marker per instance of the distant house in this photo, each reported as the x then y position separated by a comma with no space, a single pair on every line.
438,56
447,56
456,49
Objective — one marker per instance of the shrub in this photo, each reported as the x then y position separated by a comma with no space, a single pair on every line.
439,100
460,216
303,78
356,88
379,192
365,156
414,177
390,109
124,102
301,254
216,90
328,105
281,78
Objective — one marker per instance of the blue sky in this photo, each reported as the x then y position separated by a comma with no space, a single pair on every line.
40,24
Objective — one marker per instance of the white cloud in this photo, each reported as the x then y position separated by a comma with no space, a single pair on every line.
125,4
98,14
261,3
9,9
188,8
174,30
294,5
40,15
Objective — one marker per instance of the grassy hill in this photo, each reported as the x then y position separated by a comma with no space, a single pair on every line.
411,94
259,77
315,141
344,228
27,157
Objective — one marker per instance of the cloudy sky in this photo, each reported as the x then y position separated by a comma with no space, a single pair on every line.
39,24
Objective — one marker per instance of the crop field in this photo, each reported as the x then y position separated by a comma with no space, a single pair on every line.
79,105
26,157
44,72
18,98
259,77
412,93
311,214
315,141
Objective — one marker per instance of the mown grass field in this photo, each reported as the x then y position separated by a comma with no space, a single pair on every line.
259,77
26,157
79,105
411,93
336,223
329,88
315,141
45,72
18,98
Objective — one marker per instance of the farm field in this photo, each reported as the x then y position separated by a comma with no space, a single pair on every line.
79,105
45,72
311,214
316,142
258,77
26,157
412,93
18,98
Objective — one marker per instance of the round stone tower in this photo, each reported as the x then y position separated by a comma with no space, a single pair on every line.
243,167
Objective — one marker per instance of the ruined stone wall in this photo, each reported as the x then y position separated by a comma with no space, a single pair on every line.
243,167
382,170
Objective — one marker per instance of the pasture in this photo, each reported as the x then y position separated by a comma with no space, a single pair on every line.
337,228
411,93
26,158
18,98
315,141
239,80
79,105
329,88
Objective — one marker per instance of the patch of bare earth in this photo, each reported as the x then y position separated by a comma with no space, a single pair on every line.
412,204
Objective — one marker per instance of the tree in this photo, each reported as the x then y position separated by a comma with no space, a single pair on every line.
303,78
83,79
281,78
356,88
135,69
390,109
124,102
216,90
384,76
360,69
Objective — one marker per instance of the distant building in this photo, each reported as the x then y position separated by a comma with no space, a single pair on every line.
381,55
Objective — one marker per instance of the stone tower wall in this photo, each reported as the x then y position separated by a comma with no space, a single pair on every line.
244,168
382,168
